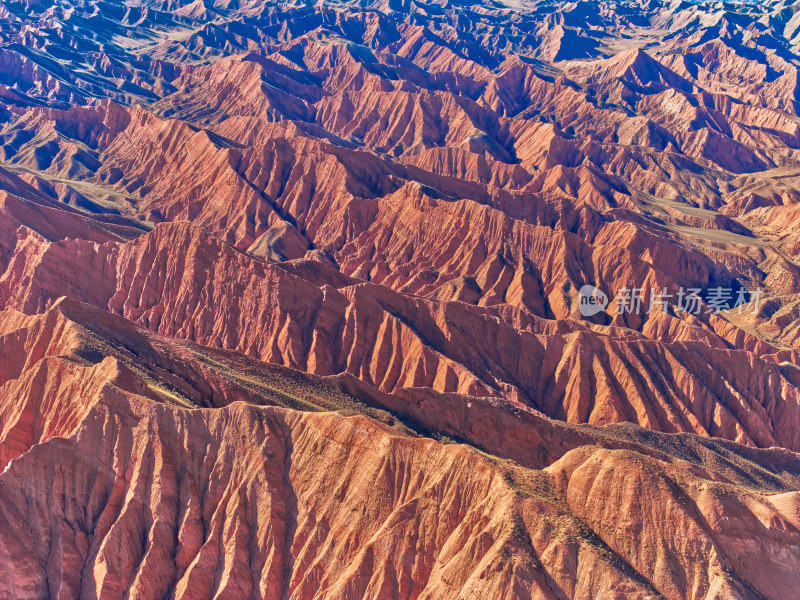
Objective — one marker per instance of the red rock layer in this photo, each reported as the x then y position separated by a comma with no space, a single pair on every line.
151,499
289,296
176,280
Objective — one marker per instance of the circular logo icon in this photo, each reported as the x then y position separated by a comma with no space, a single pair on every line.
592,300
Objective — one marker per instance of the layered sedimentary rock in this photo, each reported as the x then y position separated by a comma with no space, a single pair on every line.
289,300
151,497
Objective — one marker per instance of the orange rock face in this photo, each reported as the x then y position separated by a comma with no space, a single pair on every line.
290,300
157,489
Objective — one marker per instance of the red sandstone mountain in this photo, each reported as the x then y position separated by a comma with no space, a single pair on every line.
279,502
289,300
